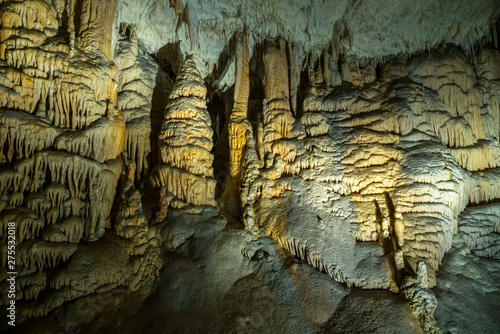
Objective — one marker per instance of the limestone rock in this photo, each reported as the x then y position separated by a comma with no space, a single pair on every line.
135,83
185,143
422,300
239,126
356,148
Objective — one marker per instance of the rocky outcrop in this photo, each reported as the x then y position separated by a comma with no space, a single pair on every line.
239,126
421,299
135,83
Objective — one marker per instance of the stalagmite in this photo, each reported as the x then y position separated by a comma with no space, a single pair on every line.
185,143
249,185
136,80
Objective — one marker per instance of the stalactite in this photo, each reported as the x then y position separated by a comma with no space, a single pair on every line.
280,131
32,285
70,91
454,79
480,225
488,70
295,59
382,136
73,176
483,186
37,254
102,141
28,223
376,177
32,15
301,250
58,88
67,230
96,22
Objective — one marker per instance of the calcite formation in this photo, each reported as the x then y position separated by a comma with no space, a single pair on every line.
136,79
396,163
421,299
185,142
252,167
63,134
239,126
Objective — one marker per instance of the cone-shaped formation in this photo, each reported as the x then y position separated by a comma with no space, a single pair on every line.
239,126
136,80
185,142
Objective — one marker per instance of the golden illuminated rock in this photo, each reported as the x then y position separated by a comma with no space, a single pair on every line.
239,126
392,170
246,166
96,26
135,84
185,143
278,121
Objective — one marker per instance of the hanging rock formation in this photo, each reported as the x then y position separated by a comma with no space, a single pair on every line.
239,126
62,136
250,166
68,103
372,159
135,83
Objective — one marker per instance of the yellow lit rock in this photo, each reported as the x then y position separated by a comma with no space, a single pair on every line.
227,166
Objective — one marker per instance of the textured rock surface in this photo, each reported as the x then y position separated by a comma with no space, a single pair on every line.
251,167
402,27
384,164
63,132
185,142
